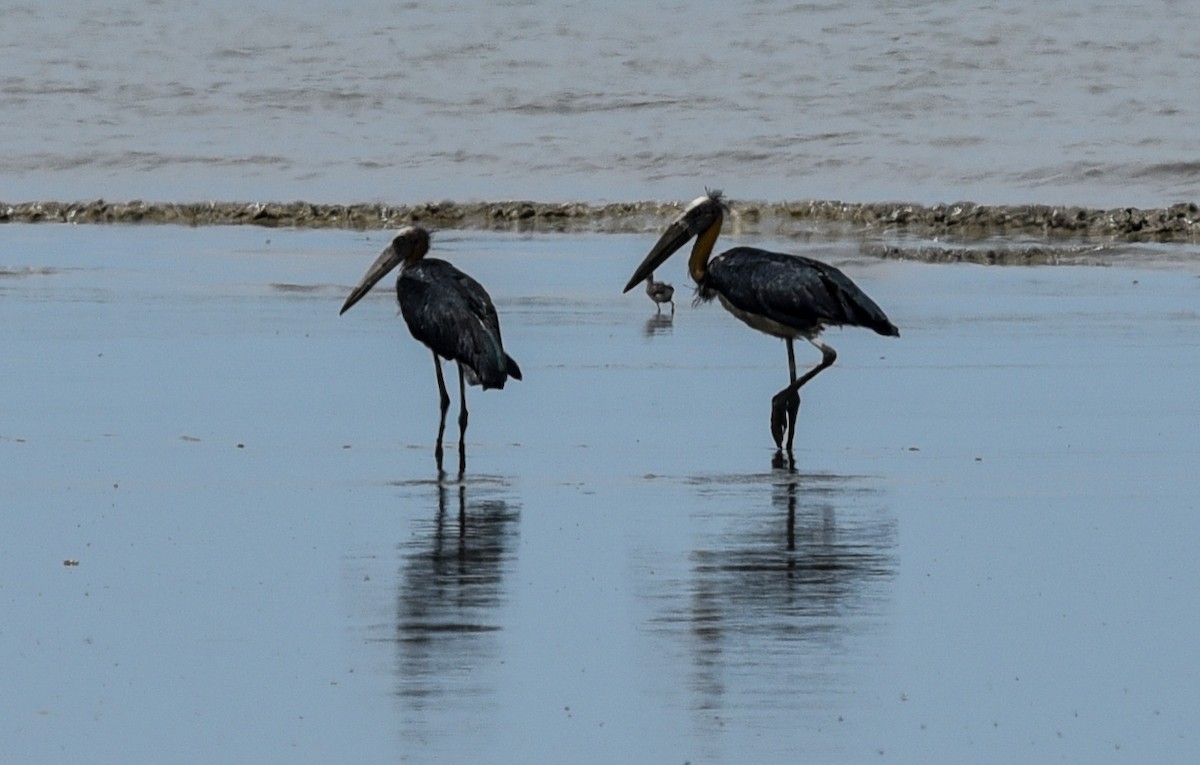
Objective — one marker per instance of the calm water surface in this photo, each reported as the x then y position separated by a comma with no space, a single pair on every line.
984,553
1072,102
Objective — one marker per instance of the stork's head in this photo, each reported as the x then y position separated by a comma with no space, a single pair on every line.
409,245
701,219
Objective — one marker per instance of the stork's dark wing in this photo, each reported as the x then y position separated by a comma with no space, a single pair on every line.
453,314
794,291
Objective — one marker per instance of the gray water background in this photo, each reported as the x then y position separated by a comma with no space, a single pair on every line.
1065,102
985,553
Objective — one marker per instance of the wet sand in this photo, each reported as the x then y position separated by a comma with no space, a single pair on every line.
225,540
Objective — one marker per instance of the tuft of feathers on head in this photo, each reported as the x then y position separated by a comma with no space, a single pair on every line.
711,197
714,196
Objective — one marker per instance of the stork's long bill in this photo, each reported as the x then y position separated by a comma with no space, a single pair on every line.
702,219
410,245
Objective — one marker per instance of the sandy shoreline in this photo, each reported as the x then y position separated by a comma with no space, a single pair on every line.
967,221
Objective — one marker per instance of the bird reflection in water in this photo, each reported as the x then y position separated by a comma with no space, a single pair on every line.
659,324
779,601
452,585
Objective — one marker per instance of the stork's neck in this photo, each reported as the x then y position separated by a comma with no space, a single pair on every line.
702,251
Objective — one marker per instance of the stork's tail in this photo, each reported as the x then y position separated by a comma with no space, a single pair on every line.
514,371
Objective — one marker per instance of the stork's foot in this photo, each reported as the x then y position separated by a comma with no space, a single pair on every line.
782,461
793,410
784,408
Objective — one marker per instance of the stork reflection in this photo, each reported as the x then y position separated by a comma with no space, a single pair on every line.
798,571
452,587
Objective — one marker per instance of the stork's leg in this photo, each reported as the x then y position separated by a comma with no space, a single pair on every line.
779,403
789,397
445,404
462,421
672,307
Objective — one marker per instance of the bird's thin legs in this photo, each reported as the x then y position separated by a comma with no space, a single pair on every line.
438,452
781,403
462,421
785,406
445,404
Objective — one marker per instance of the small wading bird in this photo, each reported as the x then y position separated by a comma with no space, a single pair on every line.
660,292
452,315
787,296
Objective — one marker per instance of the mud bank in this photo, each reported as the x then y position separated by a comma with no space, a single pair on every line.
965,220
1007,255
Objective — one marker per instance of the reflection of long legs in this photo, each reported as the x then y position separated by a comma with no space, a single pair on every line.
788,481
462,421
791,519
445,404
462,521
439,534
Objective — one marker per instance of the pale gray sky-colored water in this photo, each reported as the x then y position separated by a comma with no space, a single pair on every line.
1063,102
985,553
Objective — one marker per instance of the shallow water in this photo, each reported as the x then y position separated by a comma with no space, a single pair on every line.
1074,102
983,552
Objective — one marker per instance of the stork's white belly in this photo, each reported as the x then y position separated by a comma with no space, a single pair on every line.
770,326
